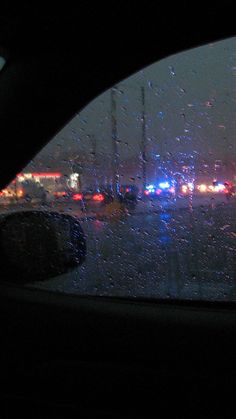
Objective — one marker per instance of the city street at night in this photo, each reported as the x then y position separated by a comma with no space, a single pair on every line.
160,250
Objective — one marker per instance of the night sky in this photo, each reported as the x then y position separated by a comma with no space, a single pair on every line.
190,108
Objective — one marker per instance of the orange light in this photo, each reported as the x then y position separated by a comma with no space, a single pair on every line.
184,188
60,193
202,187
19,193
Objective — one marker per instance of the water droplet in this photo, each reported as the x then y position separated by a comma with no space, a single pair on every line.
172,70
208,104
160,115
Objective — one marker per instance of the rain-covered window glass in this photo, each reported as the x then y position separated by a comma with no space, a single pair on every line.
149,170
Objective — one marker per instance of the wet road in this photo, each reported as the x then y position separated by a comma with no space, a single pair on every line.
165,251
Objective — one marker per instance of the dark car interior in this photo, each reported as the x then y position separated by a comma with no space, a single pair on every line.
70,356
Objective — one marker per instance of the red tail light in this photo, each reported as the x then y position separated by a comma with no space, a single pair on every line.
78,197
146,192
158,191
98,197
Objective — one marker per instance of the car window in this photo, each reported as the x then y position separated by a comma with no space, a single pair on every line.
149,169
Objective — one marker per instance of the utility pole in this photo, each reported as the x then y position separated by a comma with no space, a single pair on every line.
94,156
143,142
114,136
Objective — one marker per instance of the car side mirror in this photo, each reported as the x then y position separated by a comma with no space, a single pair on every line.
37,245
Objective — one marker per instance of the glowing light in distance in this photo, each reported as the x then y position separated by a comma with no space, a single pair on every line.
151,188
202,187
98,197
164,185
60,193
78,197
219,187
39,175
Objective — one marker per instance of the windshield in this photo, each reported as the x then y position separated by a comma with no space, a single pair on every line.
149,169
